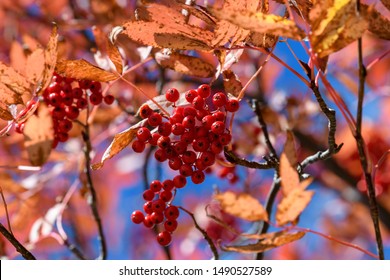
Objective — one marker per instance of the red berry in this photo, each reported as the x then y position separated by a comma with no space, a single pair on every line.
208,120
225,138
138,146
176,118
166,196
164,238
72,112
219,99
201,144
201,131
54,87
62,137
95,87
186,170
178,129
170,225
148,207
154,119
198,103
137,217
168,185
180,147
197,177
161,155
155,186
109,99
171,213
158,205
148,195
188,136
175,163
65,125
219,116
153,140
204,90
148,222
55,99
216,147
179,181
96,98
58,113
189,111
218,127
200,114
157,217
85,84
81,103
189,157
164,142
165,129
143,134
77,93
145,111
207,158
232,105
189,122
190,95
172,95
67,99
19,127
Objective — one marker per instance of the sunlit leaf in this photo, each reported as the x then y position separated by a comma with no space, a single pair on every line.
259,22
185,64
12,85
50,54
334,25
82,69
276,240
120,141
386,3
231,82
38,136
378,24
242,205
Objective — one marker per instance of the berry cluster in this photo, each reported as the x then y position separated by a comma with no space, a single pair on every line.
189,139
66,97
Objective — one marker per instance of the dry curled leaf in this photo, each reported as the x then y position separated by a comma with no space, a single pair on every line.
231,82
83,70
38,136
335,24
185,64
242,205
259,22
120,141
277,239
378,24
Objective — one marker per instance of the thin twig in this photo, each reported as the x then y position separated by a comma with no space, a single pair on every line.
92,199
6,211
233,158
18,246
363,152
204,233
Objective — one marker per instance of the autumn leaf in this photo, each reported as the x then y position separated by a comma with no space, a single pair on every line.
259,22
83,70
242,205
50,55
231,82
378,24
185,64
288,162
276,240
335,24
121,141
38,136
386,3
165,27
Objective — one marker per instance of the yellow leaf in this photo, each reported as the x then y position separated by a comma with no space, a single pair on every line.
121,141
276,240
38,136
335,24
259,22
292,206
242,205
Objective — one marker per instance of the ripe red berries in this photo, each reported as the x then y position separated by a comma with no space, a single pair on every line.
190,140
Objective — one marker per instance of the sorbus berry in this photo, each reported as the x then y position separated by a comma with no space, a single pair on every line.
172,95
170,225
204,90
201,131
58,112
158,205
175,163
148,222
62,137
178,129
219,116
189,111
232,105
200,114
198,103
207,158
81,103
166,196
208,120
201,144
165,129
188,136
137,217
148,207
77,93
186,170
143,134
164,238
145,111
65,125
55,99
179,181
168,185
164,142
109,99
225,138
160,155
95,86
219,99
19,127
84,84
197,177
218,127
171,213
189,157
72,112
216,147
189,122
148,195
153,140
157,217
155,186
154,119
138,146
176,118
96,98
190,95
54,87
180,147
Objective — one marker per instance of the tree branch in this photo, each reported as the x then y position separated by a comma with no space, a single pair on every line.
233,158
18,246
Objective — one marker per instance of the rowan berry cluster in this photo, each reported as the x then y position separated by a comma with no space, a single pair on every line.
66,97
189,139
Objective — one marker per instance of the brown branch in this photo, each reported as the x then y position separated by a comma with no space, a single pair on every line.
233,158
18,246
92,198
204,233
363,152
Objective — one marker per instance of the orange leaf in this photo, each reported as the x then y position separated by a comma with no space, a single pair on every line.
83,70
292,206
288,174
35,65
121,141
50,55
38,136
276,240
185,64
386,3
12,85
242,205
231,82
378,24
